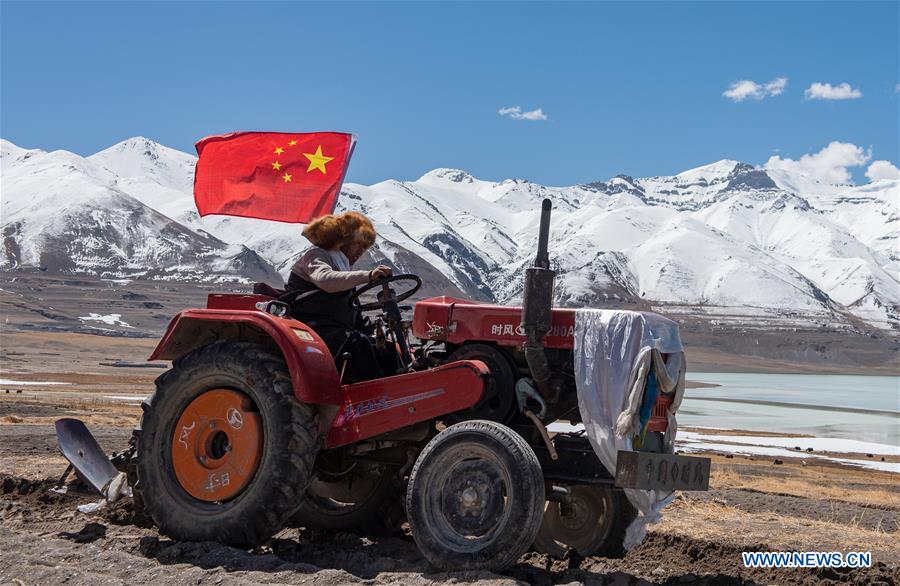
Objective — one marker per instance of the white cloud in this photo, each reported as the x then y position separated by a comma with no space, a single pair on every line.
776,86
516,113
825,91
745,88
879,170
830,165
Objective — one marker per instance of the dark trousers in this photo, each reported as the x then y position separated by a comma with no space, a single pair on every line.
362,364
354,348
366,362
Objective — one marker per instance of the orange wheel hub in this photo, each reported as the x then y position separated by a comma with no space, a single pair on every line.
217,445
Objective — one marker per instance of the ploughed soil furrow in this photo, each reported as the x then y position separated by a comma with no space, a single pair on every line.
43,540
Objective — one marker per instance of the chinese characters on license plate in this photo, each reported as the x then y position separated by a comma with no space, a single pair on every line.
648,471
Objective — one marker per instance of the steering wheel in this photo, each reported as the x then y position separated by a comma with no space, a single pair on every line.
386,295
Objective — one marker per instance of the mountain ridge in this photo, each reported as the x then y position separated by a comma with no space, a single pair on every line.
759,242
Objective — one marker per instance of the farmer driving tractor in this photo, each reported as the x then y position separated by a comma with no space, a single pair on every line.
324,284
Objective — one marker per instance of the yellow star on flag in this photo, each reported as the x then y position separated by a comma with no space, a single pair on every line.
286,177
317,160
292,143
278,150
276,165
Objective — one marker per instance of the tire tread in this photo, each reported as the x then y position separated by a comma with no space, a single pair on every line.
266,505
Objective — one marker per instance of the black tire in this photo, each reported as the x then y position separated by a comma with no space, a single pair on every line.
592,522
289,447
371,505
499,399
623,513
475,498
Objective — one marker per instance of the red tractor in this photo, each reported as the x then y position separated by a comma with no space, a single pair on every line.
253,430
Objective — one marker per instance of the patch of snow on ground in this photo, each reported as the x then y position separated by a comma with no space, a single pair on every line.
783,453
29,383
819,444
112,319
777,447
127,398
564,427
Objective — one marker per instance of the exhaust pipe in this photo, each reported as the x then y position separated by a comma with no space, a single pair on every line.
536,307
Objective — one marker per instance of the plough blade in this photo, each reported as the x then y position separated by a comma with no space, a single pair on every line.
81,449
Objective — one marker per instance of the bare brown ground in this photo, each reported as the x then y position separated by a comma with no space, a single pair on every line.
752,505
709,359
75,358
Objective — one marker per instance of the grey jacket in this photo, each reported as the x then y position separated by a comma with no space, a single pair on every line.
328,270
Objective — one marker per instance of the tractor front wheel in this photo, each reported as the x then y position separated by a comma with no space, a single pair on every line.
225,451
475,497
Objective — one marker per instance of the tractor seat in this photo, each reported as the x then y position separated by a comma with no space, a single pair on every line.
288,297
267,290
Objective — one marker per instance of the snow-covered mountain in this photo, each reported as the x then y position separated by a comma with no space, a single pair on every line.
65,213
726,241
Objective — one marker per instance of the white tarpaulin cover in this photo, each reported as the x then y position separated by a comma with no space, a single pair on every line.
613,353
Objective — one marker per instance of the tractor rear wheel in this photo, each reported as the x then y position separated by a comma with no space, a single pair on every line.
475,497
498,400
225,452
592,521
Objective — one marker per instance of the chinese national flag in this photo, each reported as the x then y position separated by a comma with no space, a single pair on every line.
288,177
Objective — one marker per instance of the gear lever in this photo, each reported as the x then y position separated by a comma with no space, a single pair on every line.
346,356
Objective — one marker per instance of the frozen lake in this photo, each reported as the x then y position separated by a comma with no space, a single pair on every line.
865,408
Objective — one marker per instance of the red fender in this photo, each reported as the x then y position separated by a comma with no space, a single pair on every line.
313,373
378,406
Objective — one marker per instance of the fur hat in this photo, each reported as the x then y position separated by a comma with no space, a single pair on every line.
335,230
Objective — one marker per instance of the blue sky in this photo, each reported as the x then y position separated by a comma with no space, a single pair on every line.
632,88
